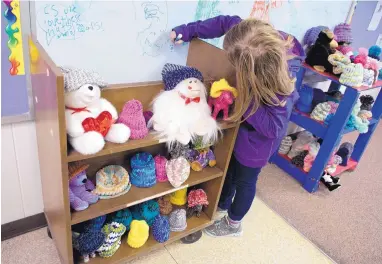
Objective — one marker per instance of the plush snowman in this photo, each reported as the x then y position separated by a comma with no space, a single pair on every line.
90,119
181,112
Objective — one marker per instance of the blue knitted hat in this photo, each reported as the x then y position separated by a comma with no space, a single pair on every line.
304,103
96,223
173,74
143,170
89,241
123,217
161,228
146,211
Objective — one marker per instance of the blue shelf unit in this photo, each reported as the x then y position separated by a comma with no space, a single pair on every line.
331,134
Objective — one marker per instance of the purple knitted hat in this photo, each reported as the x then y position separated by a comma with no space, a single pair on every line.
132,117
311,35
343,33
173,74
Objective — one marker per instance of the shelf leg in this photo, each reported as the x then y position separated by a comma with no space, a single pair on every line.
192,238
363,139
300,76
332,135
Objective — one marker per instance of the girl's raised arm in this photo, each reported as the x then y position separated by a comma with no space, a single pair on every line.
208,29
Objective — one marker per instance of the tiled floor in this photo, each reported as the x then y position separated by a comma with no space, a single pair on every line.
267,239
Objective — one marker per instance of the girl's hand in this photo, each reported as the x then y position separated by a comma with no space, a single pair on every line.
176,39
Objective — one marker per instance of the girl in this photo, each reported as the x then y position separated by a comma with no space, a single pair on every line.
266,97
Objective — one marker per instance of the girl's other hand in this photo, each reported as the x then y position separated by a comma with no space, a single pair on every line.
176,39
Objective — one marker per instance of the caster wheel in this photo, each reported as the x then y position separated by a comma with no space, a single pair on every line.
190,239
49,234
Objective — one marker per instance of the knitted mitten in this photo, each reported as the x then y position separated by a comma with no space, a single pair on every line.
321,111
285,145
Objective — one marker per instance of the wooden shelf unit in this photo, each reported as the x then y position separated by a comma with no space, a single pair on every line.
55,154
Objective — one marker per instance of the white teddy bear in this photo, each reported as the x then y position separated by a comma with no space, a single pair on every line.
90,119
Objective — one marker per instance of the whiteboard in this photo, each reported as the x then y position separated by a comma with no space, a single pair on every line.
127,41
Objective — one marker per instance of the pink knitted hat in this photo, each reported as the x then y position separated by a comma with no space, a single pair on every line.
132,116
160,168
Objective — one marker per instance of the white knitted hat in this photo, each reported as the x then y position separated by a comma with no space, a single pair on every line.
74,78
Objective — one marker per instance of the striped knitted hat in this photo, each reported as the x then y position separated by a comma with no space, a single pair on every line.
285,145
173,74
321,111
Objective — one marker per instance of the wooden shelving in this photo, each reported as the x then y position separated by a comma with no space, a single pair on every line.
126,253
112,148
138,195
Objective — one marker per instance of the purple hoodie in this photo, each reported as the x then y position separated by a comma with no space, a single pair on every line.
261,134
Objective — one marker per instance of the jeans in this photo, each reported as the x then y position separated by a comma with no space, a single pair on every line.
239,189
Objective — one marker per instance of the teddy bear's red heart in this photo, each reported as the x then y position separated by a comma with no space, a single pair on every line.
100,124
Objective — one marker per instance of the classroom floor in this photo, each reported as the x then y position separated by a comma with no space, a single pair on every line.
267,239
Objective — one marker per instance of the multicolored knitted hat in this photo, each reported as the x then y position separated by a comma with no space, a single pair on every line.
173,74
165,206
112,181
178,220
139,233
285,145
343,33
178,171
132,117
179,197
88,241
143,170
161,229
197,197
74,78
311,35
146,211
113,233
352,75
160,168
321,111
123,217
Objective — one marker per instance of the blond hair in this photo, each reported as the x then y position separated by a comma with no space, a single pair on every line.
259,55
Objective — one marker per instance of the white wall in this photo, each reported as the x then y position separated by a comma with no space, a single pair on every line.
21,194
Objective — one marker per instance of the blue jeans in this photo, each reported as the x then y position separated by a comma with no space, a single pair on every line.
239,189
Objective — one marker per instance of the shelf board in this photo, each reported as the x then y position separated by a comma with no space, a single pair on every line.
317,128
351,166
126,253
111,148
336,79
284,163
138,195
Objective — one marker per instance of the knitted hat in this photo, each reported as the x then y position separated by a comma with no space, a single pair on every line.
147,115
76,168
338,60
178,171
365,114
160,168
298,146
113,233
298,160
334,96
173,74
344,152
161,229
143,170
333,107
165,206
146,211
366,102
178,221
89,241
304,103
139,233
179,150
352,75
179,197
96,223
343,33
132,117
124,217
319,96
346,50
112,181
74,78
368,77
375,52
311,35
197,197
285,145
321,111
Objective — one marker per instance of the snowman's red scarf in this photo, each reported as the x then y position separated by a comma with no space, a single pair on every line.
78,110
188,100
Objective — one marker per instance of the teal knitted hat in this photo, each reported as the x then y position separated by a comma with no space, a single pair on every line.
146,211
124,217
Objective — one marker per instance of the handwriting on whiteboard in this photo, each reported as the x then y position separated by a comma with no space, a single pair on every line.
153,37
205,10
61,22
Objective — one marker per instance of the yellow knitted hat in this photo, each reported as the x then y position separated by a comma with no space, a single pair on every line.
220,86
179,197
139,233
